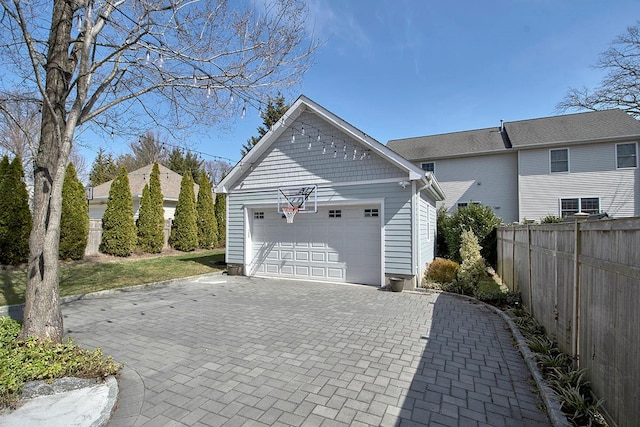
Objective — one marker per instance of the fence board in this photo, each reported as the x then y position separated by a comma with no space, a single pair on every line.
95,235
543,267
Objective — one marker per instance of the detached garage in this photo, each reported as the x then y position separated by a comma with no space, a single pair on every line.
363,213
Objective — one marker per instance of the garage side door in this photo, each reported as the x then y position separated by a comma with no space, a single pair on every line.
337,243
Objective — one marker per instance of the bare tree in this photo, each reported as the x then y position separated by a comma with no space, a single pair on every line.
19,129
216,170
136,64
620,87
149,148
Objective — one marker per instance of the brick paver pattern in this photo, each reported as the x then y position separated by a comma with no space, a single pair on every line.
233,351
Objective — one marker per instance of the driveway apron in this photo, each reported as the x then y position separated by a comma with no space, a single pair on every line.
232,351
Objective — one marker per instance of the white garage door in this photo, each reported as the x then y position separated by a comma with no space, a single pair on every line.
336,243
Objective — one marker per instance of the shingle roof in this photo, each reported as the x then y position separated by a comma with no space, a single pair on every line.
169,183
449,144
569,128
557,130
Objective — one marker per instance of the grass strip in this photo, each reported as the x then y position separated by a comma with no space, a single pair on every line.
92,276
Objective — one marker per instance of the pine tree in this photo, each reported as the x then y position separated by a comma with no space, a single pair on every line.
221,218
184,230
15,216
74,223
182,163
103,170
274,111
207,224
118,228
151,217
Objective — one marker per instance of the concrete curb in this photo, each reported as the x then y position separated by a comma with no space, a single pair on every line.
15,311
557,417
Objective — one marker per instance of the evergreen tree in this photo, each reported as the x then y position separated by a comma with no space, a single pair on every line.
151,217
221,218
274,111
207,224
182,163
103,170
74,223
184,229
15,216
118,228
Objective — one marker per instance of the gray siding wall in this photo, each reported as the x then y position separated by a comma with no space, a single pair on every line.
427,233
489,179
592,173
397,217
286,163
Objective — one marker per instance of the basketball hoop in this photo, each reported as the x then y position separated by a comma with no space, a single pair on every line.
289,212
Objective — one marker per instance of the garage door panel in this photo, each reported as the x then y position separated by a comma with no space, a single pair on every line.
316,246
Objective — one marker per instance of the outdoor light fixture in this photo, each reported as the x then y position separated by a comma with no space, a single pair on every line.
404,184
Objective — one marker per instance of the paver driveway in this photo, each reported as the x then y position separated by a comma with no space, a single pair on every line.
229,351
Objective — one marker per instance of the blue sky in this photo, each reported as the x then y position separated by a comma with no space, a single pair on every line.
405,68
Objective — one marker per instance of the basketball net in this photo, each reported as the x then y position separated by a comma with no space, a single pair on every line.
289,212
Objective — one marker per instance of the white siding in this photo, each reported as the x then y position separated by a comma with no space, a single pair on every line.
286,163
592,173
489,179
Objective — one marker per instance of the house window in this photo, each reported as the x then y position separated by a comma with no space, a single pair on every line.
589,205
626,155
258,215
368,213
337,213
428,166
559,160
465,204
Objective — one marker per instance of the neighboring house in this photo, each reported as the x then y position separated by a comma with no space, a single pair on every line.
526,170
375,215
169,183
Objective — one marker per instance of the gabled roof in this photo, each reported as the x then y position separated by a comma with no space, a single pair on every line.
169,183
305,104
593,126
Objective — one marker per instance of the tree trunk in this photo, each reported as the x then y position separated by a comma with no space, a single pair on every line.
42,312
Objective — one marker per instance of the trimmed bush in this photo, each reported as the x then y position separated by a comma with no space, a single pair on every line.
442,270
74,222
150,223
184,230
479,219
118,229
221,218
15,215
472,269
207,224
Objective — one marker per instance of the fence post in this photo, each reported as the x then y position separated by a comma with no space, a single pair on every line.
529,265
575,318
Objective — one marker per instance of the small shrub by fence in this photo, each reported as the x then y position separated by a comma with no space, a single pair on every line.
95,235
582,282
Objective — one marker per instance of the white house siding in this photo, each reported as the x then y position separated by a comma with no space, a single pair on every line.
488,179
393,200
96,210
286,163
592,173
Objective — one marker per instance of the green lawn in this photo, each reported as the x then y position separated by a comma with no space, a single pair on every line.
91,276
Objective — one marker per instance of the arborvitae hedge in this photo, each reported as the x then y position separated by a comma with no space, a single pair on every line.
151,217
221,218
207,224
184,229
74,223
118,228
15,216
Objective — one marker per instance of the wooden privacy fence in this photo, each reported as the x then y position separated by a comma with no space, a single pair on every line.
581,281
95,235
